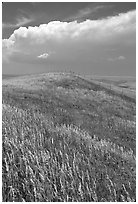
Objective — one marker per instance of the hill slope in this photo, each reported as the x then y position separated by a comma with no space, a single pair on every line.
66,138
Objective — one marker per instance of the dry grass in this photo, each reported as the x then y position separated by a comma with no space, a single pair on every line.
49,156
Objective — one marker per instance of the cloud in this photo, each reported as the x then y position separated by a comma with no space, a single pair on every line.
86,12
7,49
111,59
72,40
23,21
7,43
89,29
20,21
43,56
121,58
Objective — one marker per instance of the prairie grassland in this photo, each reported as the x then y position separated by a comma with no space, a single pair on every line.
67,139
124,85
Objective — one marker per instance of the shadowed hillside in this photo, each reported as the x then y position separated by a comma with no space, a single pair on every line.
67,138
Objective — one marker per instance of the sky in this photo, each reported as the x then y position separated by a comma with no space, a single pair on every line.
92,38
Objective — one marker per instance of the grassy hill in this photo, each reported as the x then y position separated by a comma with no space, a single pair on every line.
125,85
67,138
7,76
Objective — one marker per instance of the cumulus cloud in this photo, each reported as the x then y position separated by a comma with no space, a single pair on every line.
90,29
67,39
43,56
112,59
121,58
7,43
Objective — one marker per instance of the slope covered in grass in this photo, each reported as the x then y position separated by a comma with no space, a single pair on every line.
123,85
67,139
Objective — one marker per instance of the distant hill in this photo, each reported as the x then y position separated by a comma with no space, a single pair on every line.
120,81
6,76
121,84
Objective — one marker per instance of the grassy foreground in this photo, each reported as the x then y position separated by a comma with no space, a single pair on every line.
67,139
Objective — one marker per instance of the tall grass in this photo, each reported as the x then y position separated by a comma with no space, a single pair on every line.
66,139
44,162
